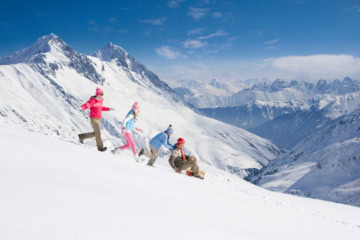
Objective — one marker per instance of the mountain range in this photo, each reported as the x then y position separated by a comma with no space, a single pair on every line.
325,165
287,122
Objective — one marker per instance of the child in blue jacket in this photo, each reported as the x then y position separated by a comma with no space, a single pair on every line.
155,144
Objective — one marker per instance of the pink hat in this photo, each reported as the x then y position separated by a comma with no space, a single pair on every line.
136,107
99,91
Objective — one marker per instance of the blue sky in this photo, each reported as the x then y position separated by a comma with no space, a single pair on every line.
200,38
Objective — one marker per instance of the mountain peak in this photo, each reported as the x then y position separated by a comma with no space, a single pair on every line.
110,52
44,44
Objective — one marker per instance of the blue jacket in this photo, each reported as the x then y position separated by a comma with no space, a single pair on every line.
161,139
129,121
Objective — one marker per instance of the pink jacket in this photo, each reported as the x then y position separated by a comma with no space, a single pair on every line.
96,107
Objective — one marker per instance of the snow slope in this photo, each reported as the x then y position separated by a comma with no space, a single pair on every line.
55,189
325,165
43,87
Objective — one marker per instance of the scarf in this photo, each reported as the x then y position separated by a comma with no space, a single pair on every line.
182,153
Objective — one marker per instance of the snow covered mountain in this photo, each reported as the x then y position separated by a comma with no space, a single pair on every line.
55,189
291,128
277,91
192,90
43,86
213,87
253,114
326,165
287,123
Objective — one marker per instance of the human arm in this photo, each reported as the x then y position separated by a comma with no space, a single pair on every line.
166,142
87,104
106,109
140,130
174,155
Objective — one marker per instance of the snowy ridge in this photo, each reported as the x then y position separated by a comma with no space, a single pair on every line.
337,105
331,156
291,128
46,96
122,59
277,91
212,88
42,45
252,114
287,123
54,189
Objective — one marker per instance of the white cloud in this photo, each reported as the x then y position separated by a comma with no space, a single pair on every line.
218,33
193,43
272,41
167,52
198,13
357,8
217,15
156,22
174,3
271,47
318,66
195,31
190,70
112,20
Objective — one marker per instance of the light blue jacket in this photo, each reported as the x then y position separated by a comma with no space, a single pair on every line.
129,121
161,139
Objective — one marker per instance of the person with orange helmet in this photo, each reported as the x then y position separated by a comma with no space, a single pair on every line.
179,161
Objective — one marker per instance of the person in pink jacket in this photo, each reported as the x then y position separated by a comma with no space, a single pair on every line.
127,126
96,107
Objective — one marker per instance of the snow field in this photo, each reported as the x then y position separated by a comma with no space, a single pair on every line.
54,189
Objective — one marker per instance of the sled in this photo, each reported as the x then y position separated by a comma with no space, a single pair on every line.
190,173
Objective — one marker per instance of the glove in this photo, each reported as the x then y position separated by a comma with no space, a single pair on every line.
111,109
123,131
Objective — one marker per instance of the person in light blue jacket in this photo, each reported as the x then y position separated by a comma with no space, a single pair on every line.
162,139
128,126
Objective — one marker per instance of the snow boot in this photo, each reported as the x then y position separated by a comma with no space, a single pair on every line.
200,176
103,149
80,139
141,152
137,159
